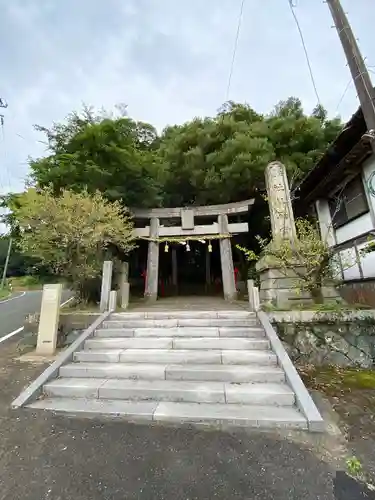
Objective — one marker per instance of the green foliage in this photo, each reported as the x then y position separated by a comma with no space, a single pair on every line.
222,159
354,466
311,259
72,233
97,152
19,264
204,161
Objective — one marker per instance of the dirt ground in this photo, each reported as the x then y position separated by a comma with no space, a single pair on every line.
351,393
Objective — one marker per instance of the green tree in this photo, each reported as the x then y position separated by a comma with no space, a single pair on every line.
112,154
72,234
204,161
222,159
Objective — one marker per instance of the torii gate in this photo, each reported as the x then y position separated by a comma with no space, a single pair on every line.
156,233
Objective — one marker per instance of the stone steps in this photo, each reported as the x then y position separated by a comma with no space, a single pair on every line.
213,367
218,415
188,314
146,371
201,343
176,356
182,322
171,391
209,331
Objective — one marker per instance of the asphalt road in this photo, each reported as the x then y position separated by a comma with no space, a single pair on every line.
15,308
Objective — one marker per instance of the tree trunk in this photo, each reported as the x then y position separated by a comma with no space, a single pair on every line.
317,295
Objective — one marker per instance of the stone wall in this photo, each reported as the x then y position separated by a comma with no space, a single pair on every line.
345,339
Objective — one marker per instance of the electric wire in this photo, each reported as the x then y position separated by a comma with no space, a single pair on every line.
235,48
292,6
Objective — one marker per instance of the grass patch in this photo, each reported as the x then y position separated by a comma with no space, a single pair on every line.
4,293
31,282
334,380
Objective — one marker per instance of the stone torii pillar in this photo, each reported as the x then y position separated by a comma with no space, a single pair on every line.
227,269
152,278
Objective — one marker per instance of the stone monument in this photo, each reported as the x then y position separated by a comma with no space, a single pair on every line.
49,320
278,285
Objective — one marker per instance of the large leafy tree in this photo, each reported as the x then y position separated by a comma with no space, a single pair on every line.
100,152
222,159
206,160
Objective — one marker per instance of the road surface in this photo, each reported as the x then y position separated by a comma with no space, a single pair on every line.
15,308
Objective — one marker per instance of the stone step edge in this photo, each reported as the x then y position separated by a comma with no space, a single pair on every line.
194,314
185,357
166,370
174,340
276,394
185,332
221,415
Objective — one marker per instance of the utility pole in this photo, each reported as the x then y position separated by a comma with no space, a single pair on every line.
4,105
360,75
6,264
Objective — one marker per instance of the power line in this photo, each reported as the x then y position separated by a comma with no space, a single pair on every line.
235,48
292,5
344,94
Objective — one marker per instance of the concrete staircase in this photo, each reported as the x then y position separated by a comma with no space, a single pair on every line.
184,366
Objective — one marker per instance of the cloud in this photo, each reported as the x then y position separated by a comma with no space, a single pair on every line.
169,61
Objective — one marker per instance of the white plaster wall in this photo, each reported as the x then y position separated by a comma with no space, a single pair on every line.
349,264
351,230
367,170
367,263
325,222
354,228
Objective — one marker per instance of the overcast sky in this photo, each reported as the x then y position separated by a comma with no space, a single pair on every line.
168,60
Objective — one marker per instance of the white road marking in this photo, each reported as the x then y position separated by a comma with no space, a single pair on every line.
9,335
21,328
12,298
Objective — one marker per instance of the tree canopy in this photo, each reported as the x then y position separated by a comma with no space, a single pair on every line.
99,152
72,233
207,160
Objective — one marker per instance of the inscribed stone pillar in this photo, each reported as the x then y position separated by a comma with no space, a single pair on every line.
106,285
151,291
49,320
227,270
279,202
174,267
278,286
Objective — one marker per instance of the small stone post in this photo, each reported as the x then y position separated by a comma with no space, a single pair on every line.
106,285
250,287
124,287
112,300
151,291
49,320
229,285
